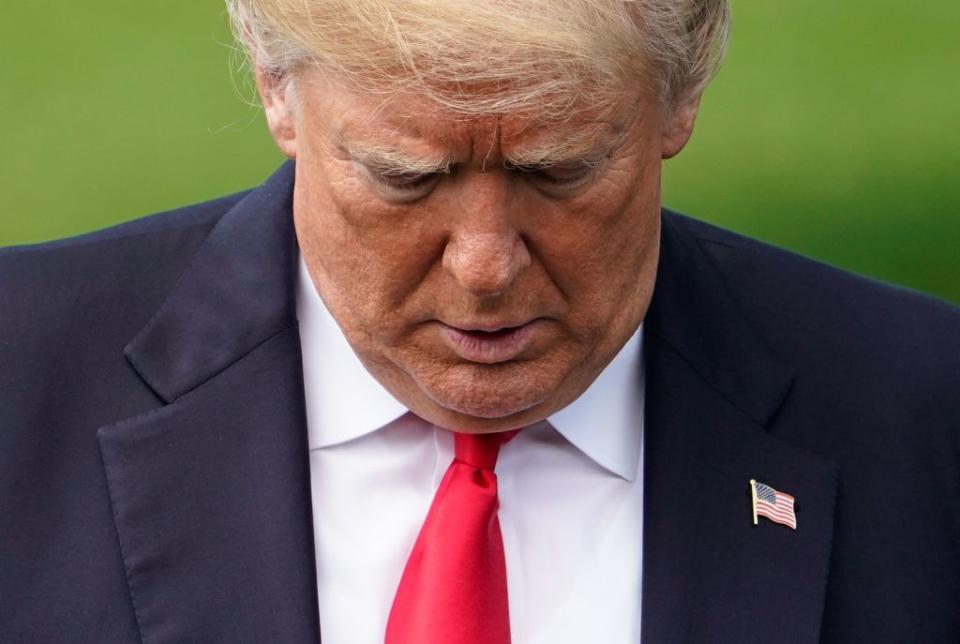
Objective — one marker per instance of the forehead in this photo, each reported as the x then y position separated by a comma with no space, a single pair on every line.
407,123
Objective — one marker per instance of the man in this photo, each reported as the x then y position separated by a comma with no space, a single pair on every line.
462,292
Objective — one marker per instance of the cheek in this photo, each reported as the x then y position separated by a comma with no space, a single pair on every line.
370,256
601,252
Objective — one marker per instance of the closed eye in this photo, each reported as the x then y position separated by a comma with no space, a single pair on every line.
401,186
404,180
560,175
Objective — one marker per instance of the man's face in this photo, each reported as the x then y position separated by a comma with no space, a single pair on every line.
485,270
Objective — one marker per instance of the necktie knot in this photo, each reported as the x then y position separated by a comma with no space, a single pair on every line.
480,450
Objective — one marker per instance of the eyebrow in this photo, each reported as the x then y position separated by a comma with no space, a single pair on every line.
388,159
576,148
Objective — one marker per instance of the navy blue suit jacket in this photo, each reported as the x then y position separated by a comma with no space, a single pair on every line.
153,454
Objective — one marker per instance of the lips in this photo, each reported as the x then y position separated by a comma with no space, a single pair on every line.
490,343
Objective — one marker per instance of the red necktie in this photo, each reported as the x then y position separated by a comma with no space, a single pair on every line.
454,586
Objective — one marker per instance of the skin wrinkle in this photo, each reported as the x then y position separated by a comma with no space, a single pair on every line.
494,145
484,244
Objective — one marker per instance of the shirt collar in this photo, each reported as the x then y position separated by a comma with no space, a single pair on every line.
606,421
345,402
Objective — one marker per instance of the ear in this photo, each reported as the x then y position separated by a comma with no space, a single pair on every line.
276,94
679,127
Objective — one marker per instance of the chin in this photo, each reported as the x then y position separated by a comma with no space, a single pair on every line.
489,392
484,410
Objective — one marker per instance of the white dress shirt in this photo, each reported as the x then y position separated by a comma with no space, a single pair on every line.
571,497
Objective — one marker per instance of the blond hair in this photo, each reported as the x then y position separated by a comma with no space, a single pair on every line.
476,57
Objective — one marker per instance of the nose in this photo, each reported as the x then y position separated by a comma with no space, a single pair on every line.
485,252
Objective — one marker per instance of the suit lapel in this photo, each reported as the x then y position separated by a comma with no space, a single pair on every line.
210,492
710,575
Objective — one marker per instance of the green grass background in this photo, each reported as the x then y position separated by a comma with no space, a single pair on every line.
832,129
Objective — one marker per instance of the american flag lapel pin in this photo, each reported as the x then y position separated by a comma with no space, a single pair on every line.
772,504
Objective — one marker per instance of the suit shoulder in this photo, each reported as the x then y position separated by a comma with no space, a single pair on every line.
756,265
814,314
99,285
115,253
199,214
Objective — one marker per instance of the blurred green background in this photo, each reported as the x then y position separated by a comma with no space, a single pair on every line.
831,130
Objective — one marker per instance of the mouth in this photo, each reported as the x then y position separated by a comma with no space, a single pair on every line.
489,344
